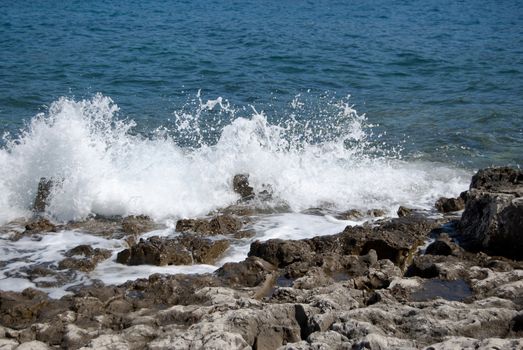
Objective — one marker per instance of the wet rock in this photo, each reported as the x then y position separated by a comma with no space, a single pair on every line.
155,251
404,211
183,250
446,205
83,258
376,212
221,224
249,273
42,194
98,226
282,252
493,215
395,240
455,290
204,251
39,225
135,225
240,184
352,214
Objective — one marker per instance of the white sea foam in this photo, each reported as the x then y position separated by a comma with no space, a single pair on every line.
104,169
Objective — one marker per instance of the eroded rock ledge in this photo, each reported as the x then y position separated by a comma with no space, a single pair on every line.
370,287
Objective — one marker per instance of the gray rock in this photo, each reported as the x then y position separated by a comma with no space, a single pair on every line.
493,216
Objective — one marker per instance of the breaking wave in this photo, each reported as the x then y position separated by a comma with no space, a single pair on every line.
186,168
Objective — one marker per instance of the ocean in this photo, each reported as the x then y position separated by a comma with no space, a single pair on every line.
152,108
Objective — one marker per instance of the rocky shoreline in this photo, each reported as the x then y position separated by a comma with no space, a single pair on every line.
374,286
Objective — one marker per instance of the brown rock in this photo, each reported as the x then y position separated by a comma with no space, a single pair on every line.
20,310
240,184
404,211
221,224
40,225
42,194
282,252
91,258
183,250
155,251
395,240
248,273
135,225
446,205
352,214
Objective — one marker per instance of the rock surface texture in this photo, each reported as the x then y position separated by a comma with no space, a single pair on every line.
369,287
493,216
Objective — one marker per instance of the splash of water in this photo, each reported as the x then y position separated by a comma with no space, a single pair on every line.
330,159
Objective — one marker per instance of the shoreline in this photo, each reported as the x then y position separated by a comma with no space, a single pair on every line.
410,282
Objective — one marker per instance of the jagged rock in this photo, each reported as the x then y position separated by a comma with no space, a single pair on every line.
281,252
20,310
183,250
446,205
352,214
498,180
40,225
135,225
221,224
91,258
240,184
376,212
75,337
42,194
404,211
50,333
395,240
250,272
493,216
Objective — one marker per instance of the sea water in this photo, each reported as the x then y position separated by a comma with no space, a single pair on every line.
152,108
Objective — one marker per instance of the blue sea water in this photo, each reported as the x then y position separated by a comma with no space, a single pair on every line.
439,82
445,77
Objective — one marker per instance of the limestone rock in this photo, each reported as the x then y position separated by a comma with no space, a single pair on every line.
493,216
